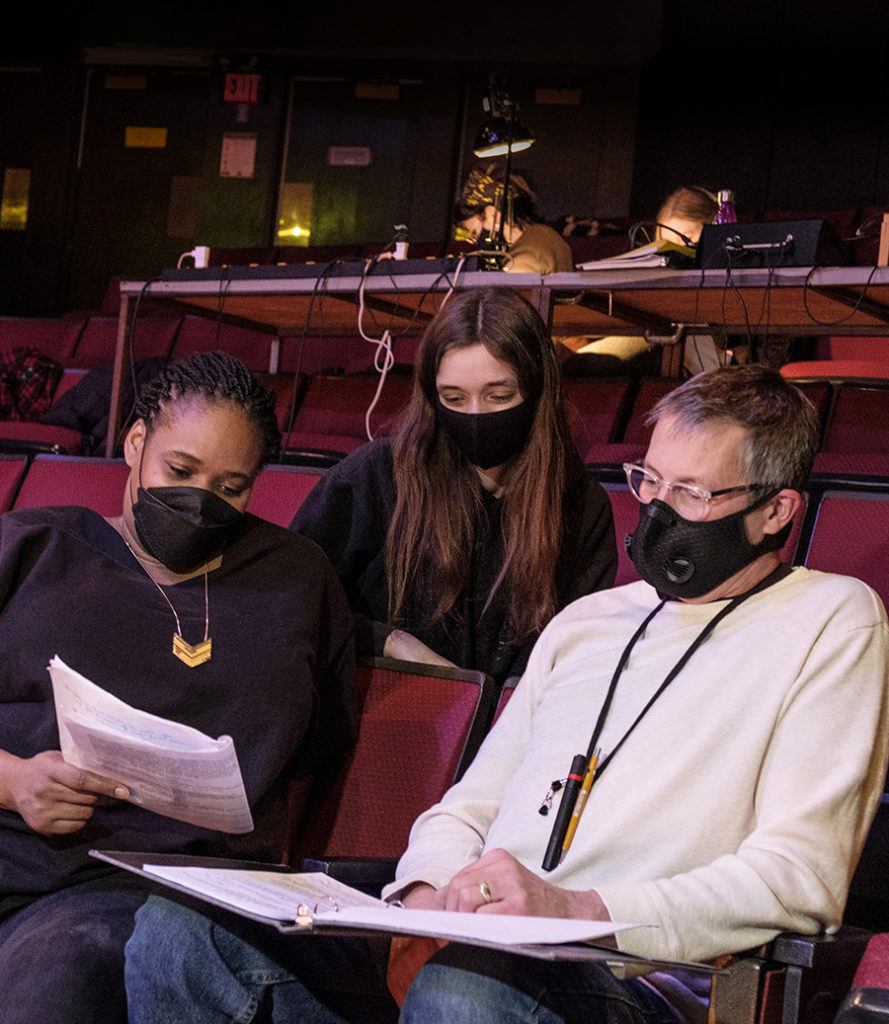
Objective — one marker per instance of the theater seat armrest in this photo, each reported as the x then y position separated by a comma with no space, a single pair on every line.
864,1006
820,951
787,974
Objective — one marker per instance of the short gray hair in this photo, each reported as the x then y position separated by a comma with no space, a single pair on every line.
782,427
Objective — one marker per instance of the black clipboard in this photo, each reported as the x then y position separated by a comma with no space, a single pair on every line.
311,922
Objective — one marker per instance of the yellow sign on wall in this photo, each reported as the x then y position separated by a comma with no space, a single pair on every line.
145,138
14,199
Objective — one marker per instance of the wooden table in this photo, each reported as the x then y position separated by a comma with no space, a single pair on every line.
659,303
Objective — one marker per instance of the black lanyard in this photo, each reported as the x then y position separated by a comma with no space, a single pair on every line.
555,847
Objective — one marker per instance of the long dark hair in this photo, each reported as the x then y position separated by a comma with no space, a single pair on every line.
438,500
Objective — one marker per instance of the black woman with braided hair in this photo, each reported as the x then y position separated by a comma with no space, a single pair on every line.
184,606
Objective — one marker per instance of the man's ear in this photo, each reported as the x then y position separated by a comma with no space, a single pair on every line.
781,509
133,443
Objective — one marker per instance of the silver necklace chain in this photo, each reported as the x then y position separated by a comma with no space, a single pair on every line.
163,594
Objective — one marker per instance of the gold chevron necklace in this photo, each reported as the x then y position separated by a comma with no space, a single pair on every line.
191,655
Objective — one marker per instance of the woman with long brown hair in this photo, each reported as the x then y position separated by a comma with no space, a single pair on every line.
460,536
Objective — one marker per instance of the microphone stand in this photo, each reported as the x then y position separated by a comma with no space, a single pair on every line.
501,231
494,244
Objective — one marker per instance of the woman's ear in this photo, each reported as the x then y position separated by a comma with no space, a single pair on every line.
133,443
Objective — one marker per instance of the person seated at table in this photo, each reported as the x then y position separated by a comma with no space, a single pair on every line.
531,246
460,536
184,606
680,219
684,213
729,715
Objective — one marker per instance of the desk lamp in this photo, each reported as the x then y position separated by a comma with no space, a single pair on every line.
502,135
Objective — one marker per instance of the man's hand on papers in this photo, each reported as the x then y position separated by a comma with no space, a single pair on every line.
423,897
498,884
53,797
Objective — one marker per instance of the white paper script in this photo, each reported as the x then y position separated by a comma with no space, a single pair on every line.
169,768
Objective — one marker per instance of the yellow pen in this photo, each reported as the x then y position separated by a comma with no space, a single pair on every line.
585,788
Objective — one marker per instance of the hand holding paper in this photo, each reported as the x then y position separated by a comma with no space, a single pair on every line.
53,797
169,768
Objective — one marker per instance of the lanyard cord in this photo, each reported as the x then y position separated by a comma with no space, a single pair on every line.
773,577
586,770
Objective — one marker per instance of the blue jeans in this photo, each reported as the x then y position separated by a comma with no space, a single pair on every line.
194,964
61,957
465,985
203,966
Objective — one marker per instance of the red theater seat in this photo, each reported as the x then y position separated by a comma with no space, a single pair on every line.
151,336
595,406
332,411
59,480
859,421
204,334
54,337
12,469
851,536
420,726
279,491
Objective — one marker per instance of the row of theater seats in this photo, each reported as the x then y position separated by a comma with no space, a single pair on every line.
84,345
98,484
325,387
844,526
83,341
607,415
421,725
325,416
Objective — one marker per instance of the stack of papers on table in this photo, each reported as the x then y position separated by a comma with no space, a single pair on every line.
659,253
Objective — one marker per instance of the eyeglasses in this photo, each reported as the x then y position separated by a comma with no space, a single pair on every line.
690,502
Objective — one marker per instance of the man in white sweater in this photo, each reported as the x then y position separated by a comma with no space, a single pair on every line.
735,710
737,805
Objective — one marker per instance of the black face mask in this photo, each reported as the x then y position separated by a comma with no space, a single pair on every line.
182,526
489,439
685,559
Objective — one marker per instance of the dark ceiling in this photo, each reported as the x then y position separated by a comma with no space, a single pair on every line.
595,32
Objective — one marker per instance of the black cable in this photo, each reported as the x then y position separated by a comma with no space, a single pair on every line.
291,416
645,224
432,287
852,311
131,329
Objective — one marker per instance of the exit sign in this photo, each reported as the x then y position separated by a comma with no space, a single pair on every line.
242,88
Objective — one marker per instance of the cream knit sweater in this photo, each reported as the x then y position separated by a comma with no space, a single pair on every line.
739,805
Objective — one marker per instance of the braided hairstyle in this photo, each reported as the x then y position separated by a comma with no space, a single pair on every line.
214,377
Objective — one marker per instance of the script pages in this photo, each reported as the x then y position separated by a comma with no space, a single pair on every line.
169,768
317,900
659,253
296,902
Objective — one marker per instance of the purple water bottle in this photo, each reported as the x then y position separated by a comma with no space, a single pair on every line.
726,212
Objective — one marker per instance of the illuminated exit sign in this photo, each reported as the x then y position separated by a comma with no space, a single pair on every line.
242,88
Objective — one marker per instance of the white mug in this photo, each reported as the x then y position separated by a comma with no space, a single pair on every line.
200,254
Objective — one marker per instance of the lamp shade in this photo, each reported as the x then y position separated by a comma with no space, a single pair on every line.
498,136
